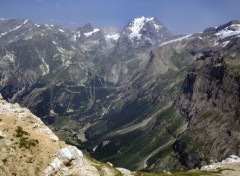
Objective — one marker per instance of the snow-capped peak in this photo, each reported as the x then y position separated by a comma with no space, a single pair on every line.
136,26
138,23
88,34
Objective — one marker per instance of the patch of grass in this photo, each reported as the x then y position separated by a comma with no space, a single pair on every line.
20,133
97,129
27,143
133,146
61,121
99,165
62,135
24,141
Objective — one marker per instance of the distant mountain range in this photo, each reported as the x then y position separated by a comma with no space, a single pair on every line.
141,98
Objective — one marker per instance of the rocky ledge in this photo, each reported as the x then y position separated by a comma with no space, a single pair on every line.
227,167
28,147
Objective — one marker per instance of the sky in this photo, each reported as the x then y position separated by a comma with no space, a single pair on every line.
179,16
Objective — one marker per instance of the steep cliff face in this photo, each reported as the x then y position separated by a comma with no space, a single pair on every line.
209,100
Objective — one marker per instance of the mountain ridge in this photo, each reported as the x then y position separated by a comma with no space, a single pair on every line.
135,95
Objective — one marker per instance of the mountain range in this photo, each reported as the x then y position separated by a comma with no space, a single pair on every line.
142,99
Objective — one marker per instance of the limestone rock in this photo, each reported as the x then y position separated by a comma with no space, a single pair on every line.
230,160
48,156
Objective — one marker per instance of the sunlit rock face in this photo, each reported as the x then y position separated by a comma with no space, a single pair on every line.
28,147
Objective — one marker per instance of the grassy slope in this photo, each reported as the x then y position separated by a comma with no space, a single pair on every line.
147,139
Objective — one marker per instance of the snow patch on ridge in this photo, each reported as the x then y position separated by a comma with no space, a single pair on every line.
61,30
112,36
225,43
78,34
2,34
14,29
88,34
234,29
75,36
157,26
176,40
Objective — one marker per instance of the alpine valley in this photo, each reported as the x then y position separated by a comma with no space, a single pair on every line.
142,99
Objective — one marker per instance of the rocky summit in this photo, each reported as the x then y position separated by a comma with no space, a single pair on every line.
141,30
141,98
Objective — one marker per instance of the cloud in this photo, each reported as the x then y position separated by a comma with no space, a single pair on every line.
39,0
